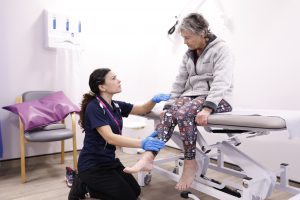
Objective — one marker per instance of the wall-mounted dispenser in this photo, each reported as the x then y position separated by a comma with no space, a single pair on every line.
62,31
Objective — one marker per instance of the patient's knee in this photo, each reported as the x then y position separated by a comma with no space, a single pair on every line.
167,115
182,115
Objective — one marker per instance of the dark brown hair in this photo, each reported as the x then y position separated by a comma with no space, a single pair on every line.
97,78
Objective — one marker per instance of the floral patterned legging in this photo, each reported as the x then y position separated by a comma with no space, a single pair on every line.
183,112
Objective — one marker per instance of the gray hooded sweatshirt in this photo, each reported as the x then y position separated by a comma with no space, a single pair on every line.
210,75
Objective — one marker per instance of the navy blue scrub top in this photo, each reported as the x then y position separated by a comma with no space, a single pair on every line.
96,152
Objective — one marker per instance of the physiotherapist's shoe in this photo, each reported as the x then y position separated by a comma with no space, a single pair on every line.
78,189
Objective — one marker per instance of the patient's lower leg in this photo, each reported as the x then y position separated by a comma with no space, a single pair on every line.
165,130
188,132
144,164
189,171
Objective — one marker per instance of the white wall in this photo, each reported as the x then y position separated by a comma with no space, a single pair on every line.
130,37
265,43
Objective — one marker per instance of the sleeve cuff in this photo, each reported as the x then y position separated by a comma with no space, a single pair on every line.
210,105
166,107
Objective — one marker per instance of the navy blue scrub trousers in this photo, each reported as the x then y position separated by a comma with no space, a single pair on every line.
111,183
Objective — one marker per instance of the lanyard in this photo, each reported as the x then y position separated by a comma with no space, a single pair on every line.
101,104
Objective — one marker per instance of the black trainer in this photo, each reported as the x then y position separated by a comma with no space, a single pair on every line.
78,189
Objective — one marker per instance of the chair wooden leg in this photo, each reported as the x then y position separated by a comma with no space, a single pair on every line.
22,145
23,173
75,154
62,155
22,155
74,141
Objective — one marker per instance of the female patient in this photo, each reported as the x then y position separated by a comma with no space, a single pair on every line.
202,87
101,119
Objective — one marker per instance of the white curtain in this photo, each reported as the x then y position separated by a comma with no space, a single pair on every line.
67,72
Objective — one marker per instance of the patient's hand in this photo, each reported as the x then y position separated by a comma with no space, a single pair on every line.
201,117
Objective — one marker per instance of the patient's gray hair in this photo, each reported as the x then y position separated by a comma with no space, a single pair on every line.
195,23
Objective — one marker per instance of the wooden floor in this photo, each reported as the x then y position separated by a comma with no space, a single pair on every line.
46,180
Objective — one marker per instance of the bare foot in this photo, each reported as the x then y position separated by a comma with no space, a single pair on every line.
189,171
144,164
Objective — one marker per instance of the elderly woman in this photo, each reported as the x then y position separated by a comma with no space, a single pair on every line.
203,86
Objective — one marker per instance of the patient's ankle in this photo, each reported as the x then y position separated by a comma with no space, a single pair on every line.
144,164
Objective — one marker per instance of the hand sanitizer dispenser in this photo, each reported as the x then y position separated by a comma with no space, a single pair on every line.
62,31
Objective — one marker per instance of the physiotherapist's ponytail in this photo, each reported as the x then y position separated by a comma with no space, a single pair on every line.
97,78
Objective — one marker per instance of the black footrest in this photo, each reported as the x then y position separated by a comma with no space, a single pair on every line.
185,194
228,131
228,190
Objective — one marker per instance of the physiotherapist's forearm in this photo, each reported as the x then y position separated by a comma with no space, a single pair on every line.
143,109
148,106
123,141
116,139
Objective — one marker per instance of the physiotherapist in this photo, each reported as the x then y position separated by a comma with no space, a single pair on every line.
101,120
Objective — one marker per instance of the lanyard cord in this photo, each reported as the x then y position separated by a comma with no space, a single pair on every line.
101,104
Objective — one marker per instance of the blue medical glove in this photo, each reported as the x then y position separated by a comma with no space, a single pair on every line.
153,134
161,97
152,144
